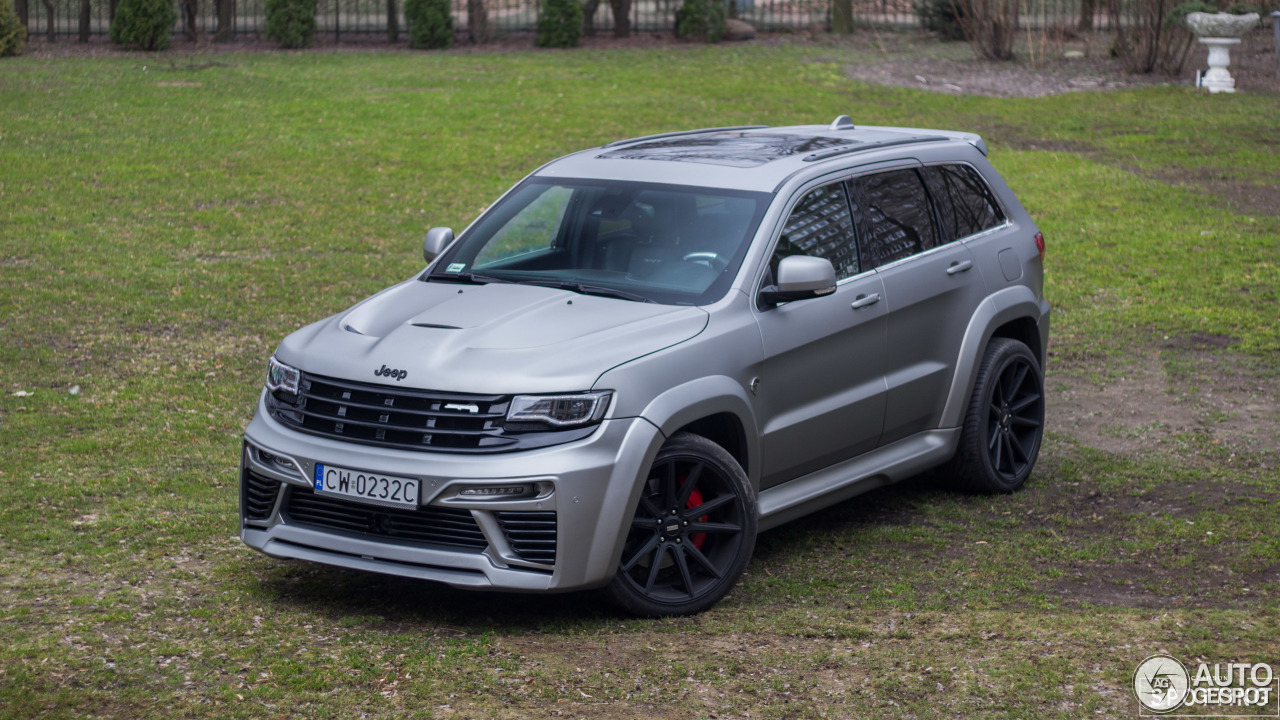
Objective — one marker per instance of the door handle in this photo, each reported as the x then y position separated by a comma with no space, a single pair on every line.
959,267
864,300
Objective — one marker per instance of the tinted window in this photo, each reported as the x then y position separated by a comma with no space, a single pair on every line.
820,225
965,202
894,217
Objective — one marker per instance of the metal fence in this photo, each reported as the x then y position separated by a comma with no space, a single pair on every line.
367,20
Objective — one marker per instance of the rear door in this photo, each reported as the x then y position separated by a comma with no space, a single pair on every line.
821,394
931,290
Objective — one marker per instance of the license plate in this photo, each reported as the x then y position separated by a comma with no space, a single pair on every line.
367,486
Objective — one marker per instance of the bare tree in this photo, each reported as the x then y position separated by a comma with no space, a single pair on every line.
226,21
85,18
477,21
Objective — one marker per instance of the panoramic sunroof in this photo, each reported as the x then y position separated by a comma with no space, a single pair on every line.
733,149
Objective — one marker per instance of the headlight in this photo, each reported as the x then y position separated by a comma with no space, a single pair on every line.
560,411
282,377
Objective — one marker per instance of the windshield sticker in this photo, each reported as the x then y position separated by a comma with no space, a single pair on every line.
455,267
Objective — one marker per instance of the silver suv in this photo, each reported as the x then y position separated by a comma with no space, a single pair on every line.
643,354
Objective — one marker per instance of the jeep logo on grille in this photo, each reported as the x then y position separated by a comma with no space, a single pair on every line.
385,371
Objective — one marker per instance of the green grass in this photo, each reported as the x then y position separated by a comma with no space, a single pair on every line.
162,227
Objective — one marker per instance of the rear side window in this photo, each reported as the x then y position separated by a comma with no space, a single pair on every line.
894,217
820,225
966,205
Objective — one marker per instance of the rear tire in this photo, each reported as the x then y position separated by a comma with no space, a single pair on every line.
692,534
1000,439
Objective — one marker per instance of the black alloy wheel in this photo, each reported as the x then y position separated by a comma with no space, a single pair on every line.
692,534
1005,421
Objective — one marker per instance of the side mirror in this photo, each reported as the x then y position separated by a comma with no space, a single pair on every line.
800,277
438,239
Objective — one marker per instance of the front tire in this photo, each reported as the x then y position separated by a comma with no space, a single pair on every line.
1004,424
692,534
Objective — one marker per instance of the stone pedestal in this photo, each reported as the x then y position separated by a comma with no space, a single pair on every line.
1218,79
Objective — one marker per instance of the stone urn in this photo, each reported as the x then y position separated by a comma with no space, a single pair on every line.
1218,32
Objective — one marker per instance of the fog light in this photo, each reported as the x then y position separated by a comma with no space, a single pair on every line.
496,491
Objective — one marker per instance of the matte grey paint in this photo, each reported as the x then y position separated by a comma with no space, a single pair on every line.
438,238
814,433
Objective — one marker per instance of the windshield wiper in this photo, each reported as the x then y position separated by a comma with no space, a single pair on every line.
465,277
583,289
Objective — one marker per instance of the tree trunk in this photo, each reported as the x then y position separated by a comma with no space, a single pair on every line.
20,7
621,18
842,16
226,21
111,10
1087,9
50,20
589,8
393,22
85,19
477,21
189,17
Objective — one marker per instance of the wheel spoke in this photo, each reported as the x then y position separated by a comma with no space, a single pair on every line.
669,490
639,554
653,569
643,523
1025,422
714,528
707,507
702,560
649,507
995,409
999,440
690,482
1018,379
1017,447
995,435
685,576
1010,460
1024,403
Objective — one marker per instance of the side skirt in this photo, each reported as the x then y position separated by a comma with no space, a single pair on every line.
817,490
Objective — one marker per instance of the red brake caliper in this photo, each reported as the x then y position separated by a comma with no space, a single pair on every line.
695,499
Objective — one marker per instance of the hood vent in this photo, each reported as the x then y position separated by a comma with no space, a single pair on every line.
436,326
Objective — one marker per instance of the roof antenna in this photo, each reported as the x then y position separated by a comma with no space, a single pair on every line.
841,123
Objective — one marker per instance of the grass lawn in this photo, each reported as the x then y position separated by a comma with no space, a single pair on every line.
165,222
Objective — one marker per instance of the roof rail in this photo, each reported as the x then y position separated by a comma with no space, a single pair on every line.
659,136
846,149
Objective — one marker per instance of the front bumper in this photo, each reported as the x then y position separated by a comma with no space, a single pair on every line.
590,485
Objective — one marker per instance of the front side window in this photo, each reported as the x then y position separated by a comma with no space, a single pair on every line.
820,225
895,219
635,241
966,205
535,227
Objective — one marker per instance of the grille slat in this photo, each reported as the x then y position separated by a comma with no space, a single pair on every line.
423,526
532,535
394,417
258,495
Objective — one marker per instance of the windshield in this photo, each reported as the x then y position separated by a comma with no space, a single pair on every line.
633,241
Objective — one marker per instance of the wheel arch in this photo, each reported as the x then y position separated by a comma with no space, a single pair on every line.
1014,313
717,408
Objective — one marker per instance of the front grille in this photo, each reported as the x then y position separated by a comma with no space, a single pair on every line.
423,526
394,417
532,535
257,495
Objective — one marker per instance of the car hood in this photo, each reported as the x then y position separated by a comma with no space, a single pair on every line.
490,339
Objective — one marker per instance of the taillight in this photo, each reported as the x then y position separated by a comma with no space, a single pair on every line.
1040,244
